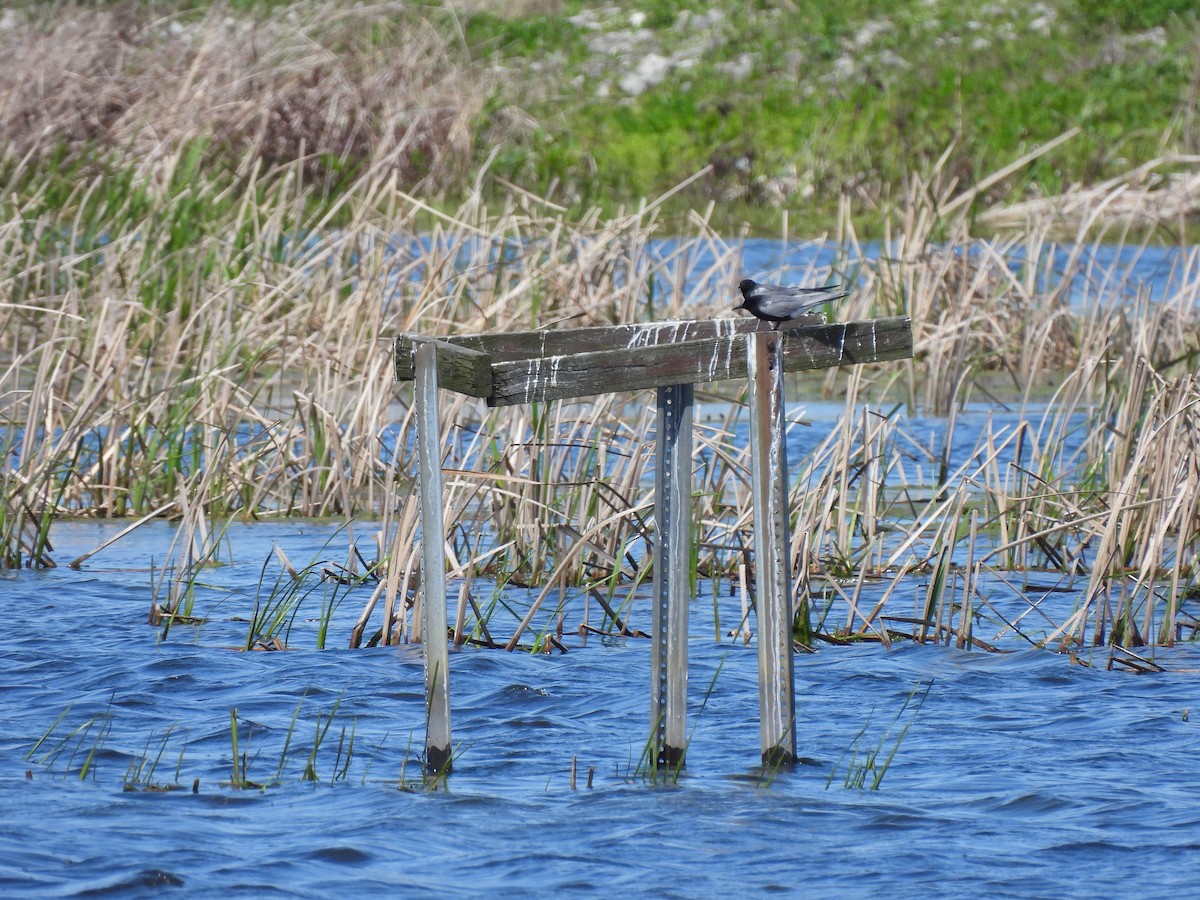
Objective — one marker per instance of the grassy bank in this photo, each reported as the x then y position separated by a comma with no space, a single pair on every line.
783,107
797,105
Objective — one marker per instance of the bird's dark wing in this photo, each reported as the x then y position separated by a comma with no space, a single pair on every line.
788,302
805,292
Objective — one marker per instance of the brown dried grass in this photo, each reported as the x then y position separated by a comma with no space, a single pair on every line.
242,369
339,88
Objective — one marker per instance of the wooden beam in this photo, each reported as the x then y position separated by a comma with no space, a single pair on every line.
514,345
459,368
772,553
695,361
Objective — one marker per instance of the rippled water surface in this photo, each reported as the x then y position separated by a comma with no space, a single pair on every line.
1021,775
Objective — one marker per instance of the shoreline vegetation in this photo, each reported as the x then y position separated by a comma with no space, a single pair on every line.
214,222
782,108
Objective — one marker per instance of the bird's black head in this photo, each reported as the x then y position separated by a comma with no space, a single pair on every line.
746,285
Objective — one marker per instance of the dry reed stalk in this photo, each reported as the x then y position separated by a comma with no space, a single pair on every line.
1143,196
317,85
242,365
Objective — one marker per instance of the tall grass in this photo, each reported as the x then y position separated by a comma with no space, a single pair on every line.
341,89
273,396
213,343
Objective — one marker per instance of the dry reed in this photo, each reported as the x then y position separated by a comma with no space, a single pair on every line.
184,342
338,88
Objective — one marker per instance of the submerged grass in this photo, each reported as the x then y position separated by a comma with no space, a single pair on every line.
74,751
95,729
865,768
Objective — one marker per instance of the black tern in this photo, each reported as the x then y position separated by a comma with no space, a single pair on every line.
777,304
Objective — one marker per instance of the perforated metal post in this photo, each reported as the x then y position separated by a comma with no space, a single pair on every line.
433,562
672,582
773,593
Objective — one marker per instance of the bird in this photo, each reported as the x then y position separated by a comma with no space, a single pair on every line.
776,303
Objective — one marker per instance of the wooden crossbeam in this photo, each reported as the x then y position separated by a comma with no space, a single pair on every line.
643,356
460,368
518,345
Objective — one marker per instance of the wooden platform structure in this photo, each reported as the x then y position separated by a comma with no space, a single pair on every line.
534,366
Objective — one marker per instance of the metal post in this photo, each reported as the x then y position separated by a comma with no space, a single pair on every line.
773,593
672,581
433,562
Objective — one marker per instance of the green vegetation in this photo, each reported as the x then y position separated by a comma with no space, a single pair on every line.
795,108
312,758
865,768
786,107
1131,15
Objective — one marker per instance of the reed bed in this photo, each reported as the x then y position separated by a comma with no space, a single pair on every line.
341,89
208,345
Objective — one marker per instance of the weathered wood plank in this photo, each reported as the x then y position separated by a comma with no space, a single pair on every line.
772,554
461,369
694,361
517,345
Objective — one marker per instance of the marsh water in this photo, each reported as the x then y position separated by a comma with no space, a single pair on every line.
926,771
1020,774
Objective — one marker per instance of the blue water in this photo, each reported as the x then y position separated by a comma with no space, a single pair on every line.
1021,775
700,268
1109,273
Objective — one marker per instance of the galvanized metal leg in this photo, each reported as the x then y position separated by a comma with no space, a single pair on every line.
433,562
672,573
773,593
